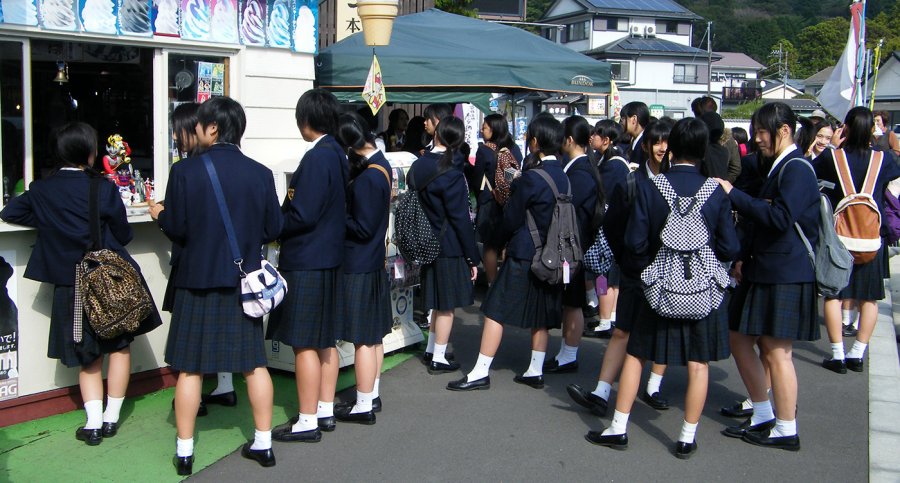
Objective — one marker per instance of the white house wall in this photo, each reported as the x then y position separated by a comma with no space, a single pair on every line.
888,79
659,73
564,7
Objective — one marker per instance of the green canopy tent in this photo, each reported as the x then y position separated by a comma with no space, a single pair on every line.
436,56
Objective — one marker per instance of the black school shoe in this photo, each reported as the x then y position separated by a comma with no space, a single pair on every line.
225,399
464,384
536,382
91,437
835,365
684,451
348,406
740,430
428,356
109,429
599,334
789,443
596,404
849,331
184,465
854,364
655,401
552,367
367,417
327,424
285,435
614,441
265,457
435,367
736,411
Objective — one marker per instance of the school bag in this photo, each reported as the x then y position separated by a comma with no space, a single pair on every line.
857,219
685,280
891,217
561,257
505,160
413,234
831,260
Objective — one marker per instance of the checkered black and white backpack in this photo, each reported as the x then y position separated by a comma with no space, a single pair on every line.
685,280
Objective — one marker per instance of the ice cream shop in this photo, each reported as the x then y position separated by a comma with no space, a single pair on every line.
122,66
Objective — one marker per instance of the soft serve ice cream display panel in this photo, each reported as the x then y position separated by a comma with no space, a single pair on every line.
60,15
99,16
134,17
195,19
166,19
278,32
306,37
22,12
253,22
224,24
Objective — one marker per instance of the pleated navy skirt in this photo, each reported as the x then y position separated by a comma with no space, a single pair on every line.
488,223
518,299
447,284
628,304
368,306
312,314
614,277
210,333
785,311
867,280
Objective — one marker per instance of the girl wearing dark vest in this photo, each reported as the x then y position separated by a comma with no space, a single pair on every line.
691,343
57,206
311,318
366,287
209,330
518,298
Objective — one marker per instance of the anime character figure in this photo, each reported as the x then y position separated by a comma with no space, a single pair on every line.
118,155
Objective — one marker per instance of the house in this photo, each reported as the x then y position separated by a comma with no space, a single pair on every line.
887,92
735,77
813,84
774,89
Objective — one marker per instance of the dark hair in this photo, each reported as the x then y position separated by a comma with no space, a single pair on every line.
227,114
548,132
638,109
656,132
499,131
184,124
688,140
438,111
885,117
318,110
806,136
770,118
703,104
451,133
858,125
414,140
714,124
579,130
609,129
353,134
72,144
394,116
740,135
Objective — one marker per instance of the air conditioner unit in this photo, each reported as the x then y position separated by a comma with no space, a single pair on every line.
637,31
650,31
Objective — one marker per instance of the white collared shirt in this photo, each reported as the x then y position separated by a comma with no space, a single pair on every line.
790,149
649,171
70,169
549,158
570,163
313,143
636,141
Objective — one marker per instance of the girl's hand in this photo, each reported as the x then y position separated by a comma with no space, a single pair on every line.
474,273
837,139
724,184
155,208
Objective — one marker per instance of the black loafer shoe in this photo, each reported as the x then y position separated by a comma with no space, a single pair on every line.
327,424
435,367
265,457
736,411
614,441
226,399
109,429
740,430
553,367
655,401
201,411
854,364
367,417
348,406
184,465
684,450
598,334
464,385
596,404
849,331
789,443
588,311
835,365
428,356
285,435
536,382
91,437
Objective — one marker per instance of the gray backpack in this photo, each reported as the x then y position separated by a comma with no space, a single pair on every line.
685,280
832,261
563,242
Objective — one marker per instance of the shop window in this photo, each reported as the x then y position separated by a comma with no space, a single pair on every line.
193,78
12,130
620,71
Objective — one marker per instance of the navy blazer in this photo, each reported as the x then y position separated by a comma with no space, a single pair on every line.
584,198
531,192
750,180
446,198
859,164
314,210
618,212
58,207
486,164
613,173
636,154
191,216
368,210
773,252
650,211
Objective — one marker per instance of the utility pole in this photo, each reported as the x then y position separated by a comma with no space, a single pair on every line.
782,66
709,59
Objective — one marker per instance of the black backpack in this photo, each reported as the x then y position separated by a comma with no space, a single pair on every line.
563,241
413,233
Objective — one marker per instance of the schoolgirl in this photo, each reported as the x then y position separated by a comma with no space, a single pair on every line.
447,282
209,330
367,296
775,302
57,206
311,317
668,340
586,189
821,141
518,298
866,286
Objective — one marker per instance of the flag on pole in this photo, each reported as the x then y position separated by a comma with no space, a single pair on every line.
843,89
373,92
615,103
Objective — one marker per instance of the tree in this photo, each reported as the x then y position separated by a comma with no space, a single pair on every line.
782,55
459,7
820,45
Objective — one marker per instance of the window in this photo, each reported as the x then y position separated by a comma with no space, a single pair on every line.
612,24
620,70
576,31
686,74
549,34
193,78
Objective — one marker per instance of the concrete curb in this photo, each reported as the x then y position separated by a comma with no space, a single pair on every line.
884,387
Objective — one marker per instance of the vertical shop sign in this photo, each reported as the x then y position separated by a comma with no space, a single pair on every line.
348,22
9,328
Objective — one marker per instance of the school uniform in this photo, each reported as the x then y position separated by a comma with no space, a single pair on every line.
311,315
866,280
57,206
777,296
367,290
635,153
613,175
490,213
584,198
517,298
667,340
209,330
446,282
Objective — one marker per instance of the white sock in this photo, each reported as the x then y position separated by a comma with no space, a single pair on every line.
783,428
567,354
762,412
837,351
363,402
375,393
226,385
482,368
562,343
113,406
94,411
592,299
184,447
747,404
688,431
262,440
536,368
858,350
325,410
440,353
429,348
305,422
605,324
845,316
855,319
612,316
653,383
619,424
603,390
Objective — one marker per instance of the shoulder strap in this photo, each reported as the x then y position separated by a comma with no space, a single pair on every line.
630,186
94,213
706,190
842,168
549,180
822,199
223,210
379,167
412,184
802,161
666,190
623,160
875,159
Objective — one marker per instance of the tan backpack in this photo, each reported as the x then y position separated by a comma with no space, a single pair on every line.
857,219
